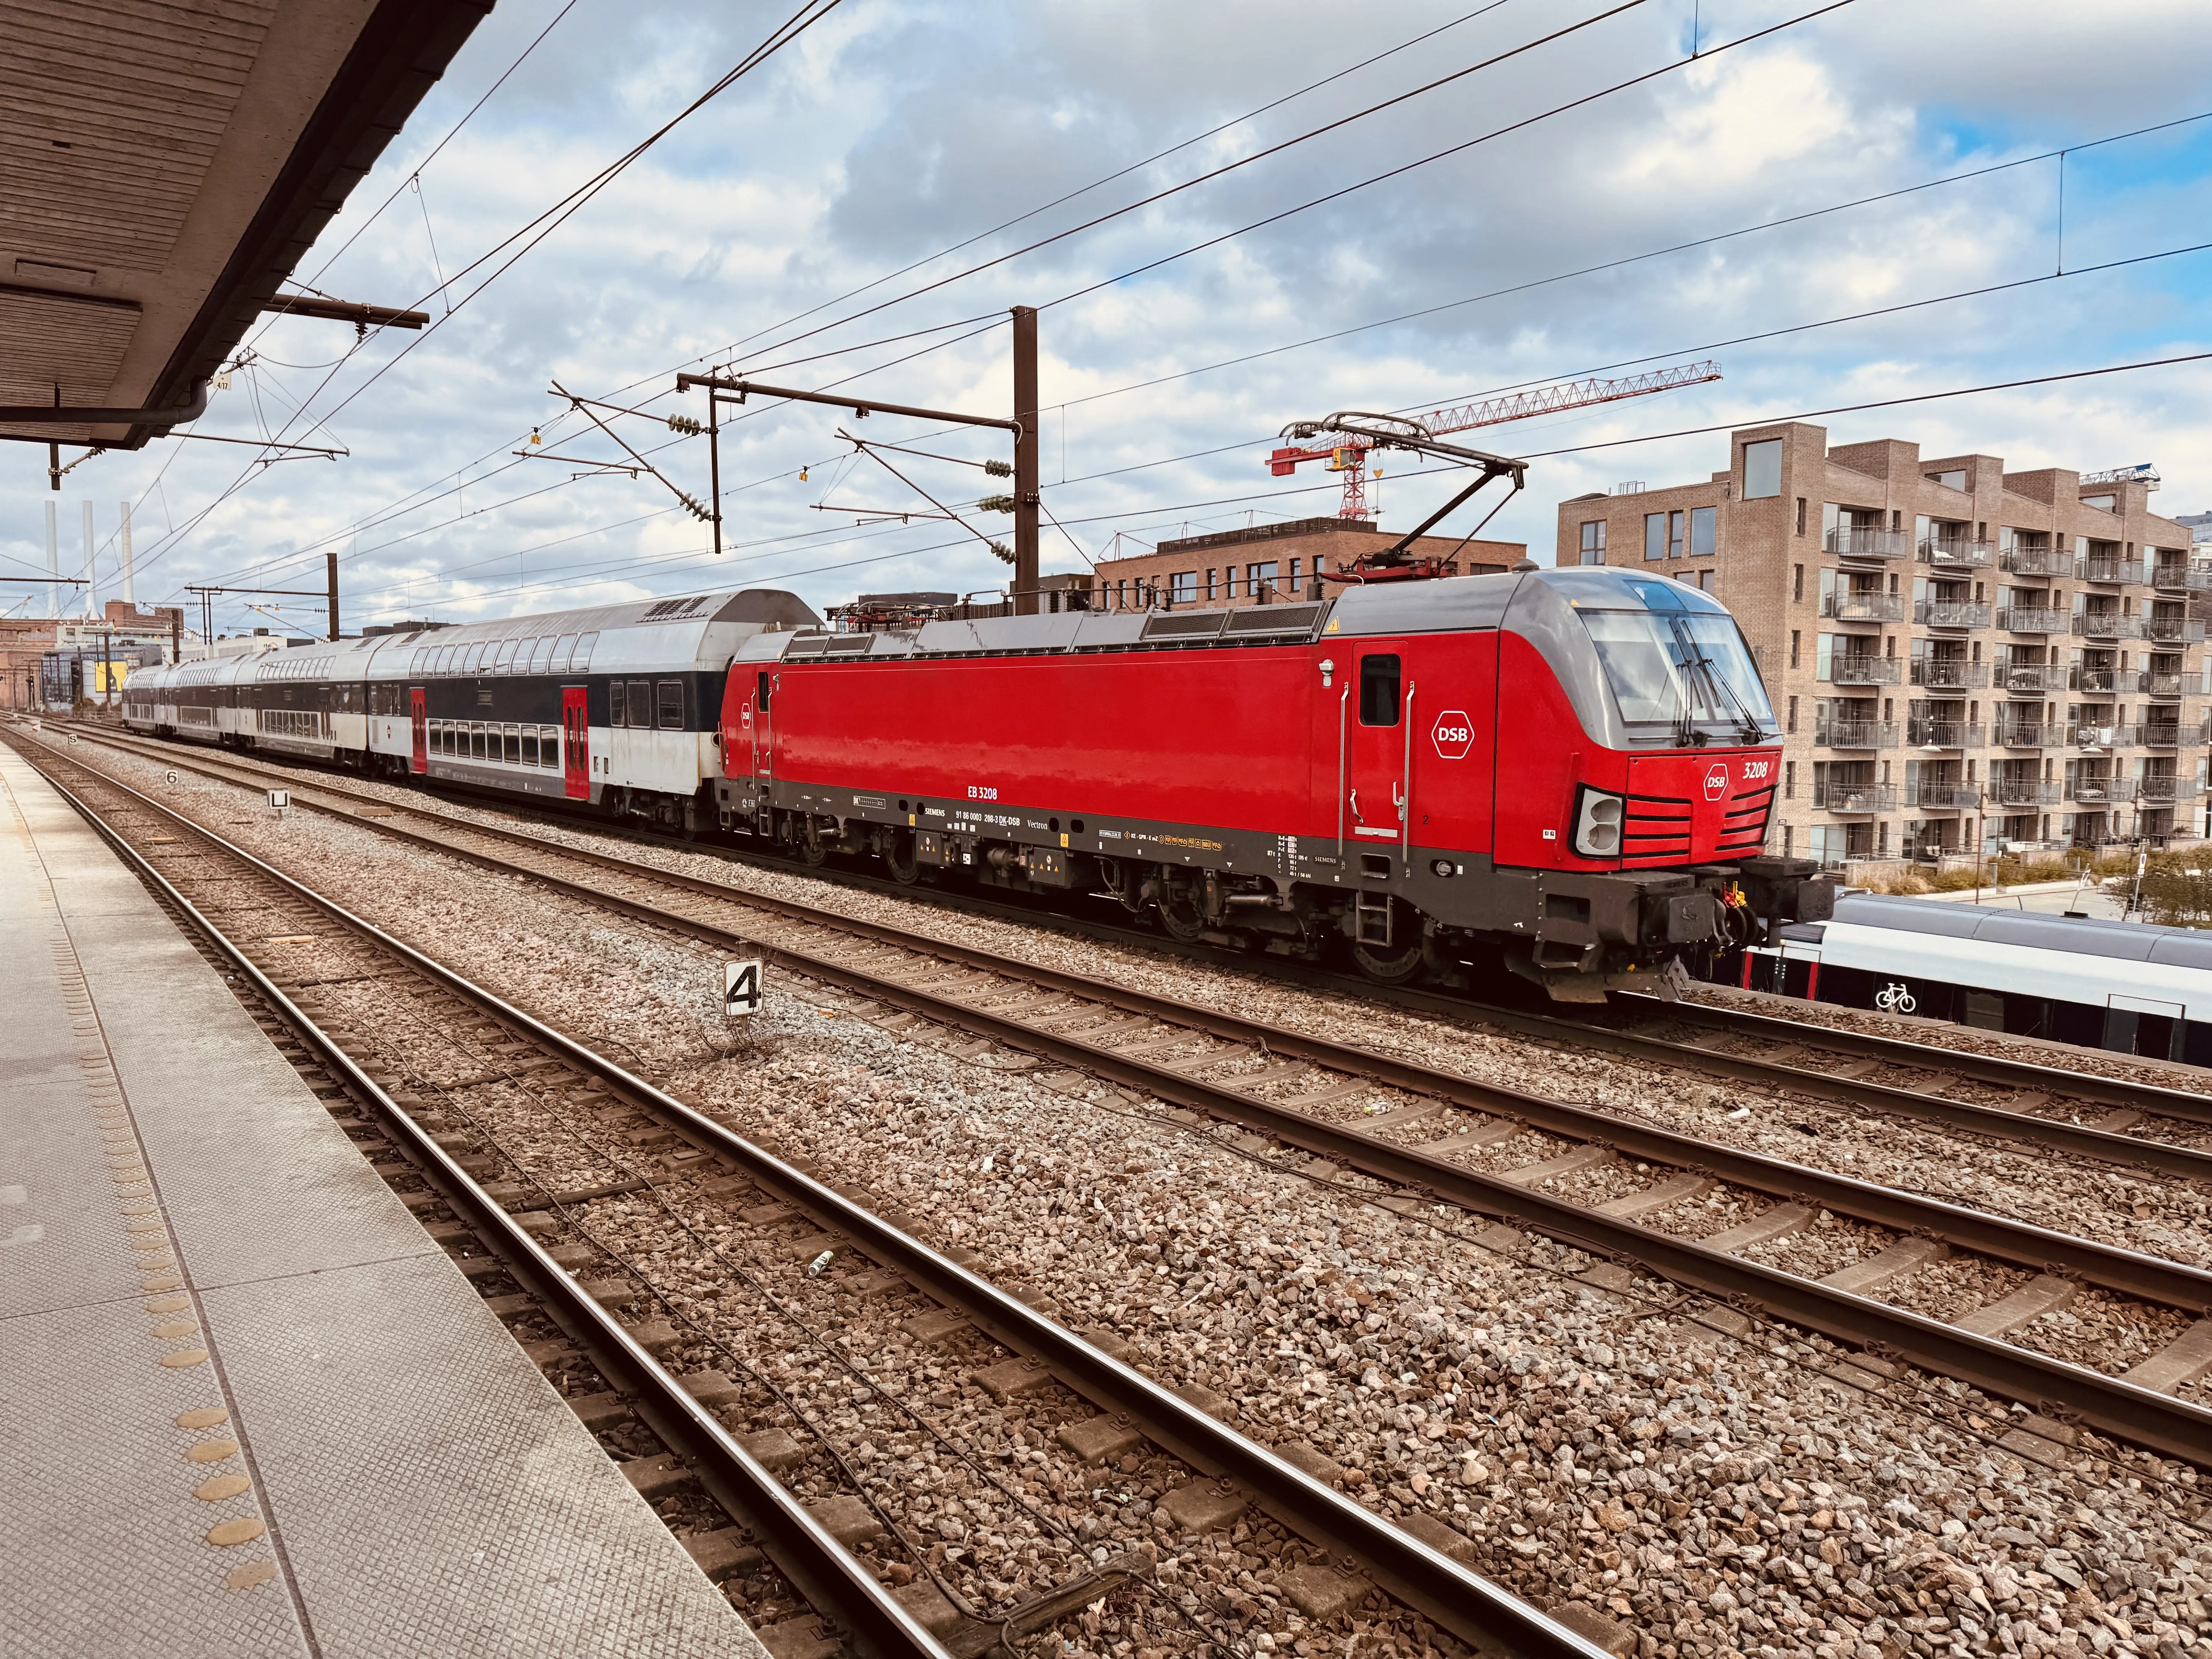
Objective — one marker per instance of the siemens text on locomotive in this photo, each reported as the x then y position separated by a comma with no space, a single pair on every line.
1569,770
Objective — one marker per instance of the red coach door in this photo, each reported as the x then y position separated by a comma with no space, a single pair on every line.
1375,753
576,742
421,720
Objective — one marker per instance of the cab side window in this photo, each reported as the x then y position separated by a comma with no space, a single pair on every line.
1378,691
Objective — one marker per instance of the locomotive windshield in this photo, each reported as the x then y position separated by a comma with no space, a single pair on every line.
1685,668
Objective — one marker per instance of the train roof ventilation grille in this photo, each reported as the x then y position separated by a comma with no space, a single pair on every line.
849,645
668,609
808,644
1271,619
1183,624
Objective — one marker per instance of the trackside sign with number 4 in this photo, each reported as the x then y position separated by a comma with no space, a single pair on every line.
741,988
1454,734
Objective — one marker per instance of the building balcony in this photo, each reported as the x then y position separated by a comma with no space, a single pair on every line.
2007,734
1945,734
2109,625
2036,562
1866,671
1855,797
2025,678
1863,607
2162,683
2094,735
2106,681
2175,578
2166,789
1855,734
2031,619
2102,792
1950,613
2178,630
2171,734
1944,553
2027,792
1953,673
1943,797
2108,567
1868,543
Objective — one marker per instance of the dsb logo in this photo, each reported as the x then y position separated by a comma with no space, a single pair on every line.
1454,734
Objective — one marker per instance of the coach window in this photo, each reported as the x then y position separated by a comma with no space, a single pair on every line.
670,697
503,660
615,703
1378,691
549,746
641,702
581,658
558,662
514,745
760,692
530,745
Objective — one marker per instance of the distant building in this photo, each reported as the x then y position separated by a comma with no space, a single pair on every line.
124,633
1272,563
1963,659
2200,527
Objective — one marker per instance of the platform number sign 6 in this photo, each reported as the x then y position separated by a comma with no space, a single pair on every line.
741,988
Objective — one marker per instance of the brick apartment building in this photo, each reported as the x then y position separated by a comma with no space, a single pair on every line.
1270,562
1962,658
129,633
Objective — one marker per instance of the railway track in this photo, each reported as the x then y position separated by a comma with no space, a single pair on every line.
1217,1065
525,1233
2128,1123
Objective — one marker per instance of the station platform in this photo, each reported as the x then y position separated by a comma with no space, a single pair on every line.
250,1408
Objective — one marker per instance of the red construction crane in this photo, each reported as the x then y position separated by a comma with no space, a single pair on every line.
1348,455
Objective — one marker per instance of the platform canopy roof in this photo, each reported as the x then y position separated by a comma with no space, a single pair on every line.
164,166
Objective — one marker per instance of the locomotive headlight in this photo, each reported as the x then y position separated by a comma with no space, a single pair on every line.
1597,823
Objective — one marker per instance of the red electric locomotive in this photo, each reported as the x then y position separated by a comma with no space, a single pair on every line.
1572,770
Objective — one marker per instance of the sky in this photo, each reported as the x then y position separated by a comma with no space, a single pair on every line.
841,214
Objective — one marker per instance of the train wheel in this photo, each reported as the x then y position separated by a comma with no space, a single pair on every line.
1386,967
902,860
1179,916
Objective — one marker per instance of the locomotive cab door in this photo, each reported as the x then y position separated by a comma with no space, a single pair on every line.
418,716
1375,753
763,742
576,742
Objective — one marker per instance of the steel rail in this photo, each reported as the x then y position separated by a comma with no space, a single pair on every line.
834,1582
1477,1612
1998,1122
2166,1101
2109,1404
2021,1243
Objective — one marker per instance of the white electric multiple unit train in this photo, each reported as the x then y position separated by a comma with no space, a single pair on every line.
619,706
2128,986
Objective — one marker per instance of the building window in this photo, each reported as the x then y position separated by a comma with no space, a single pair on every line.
1762,469
1673,535
1794,637
1793,716
1705,581
1229,582
1593,546
1797,583
1294,578
1209,584
1800,515
1703,528
1790,780
1260,581
1824,655
1182,586
1654,535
